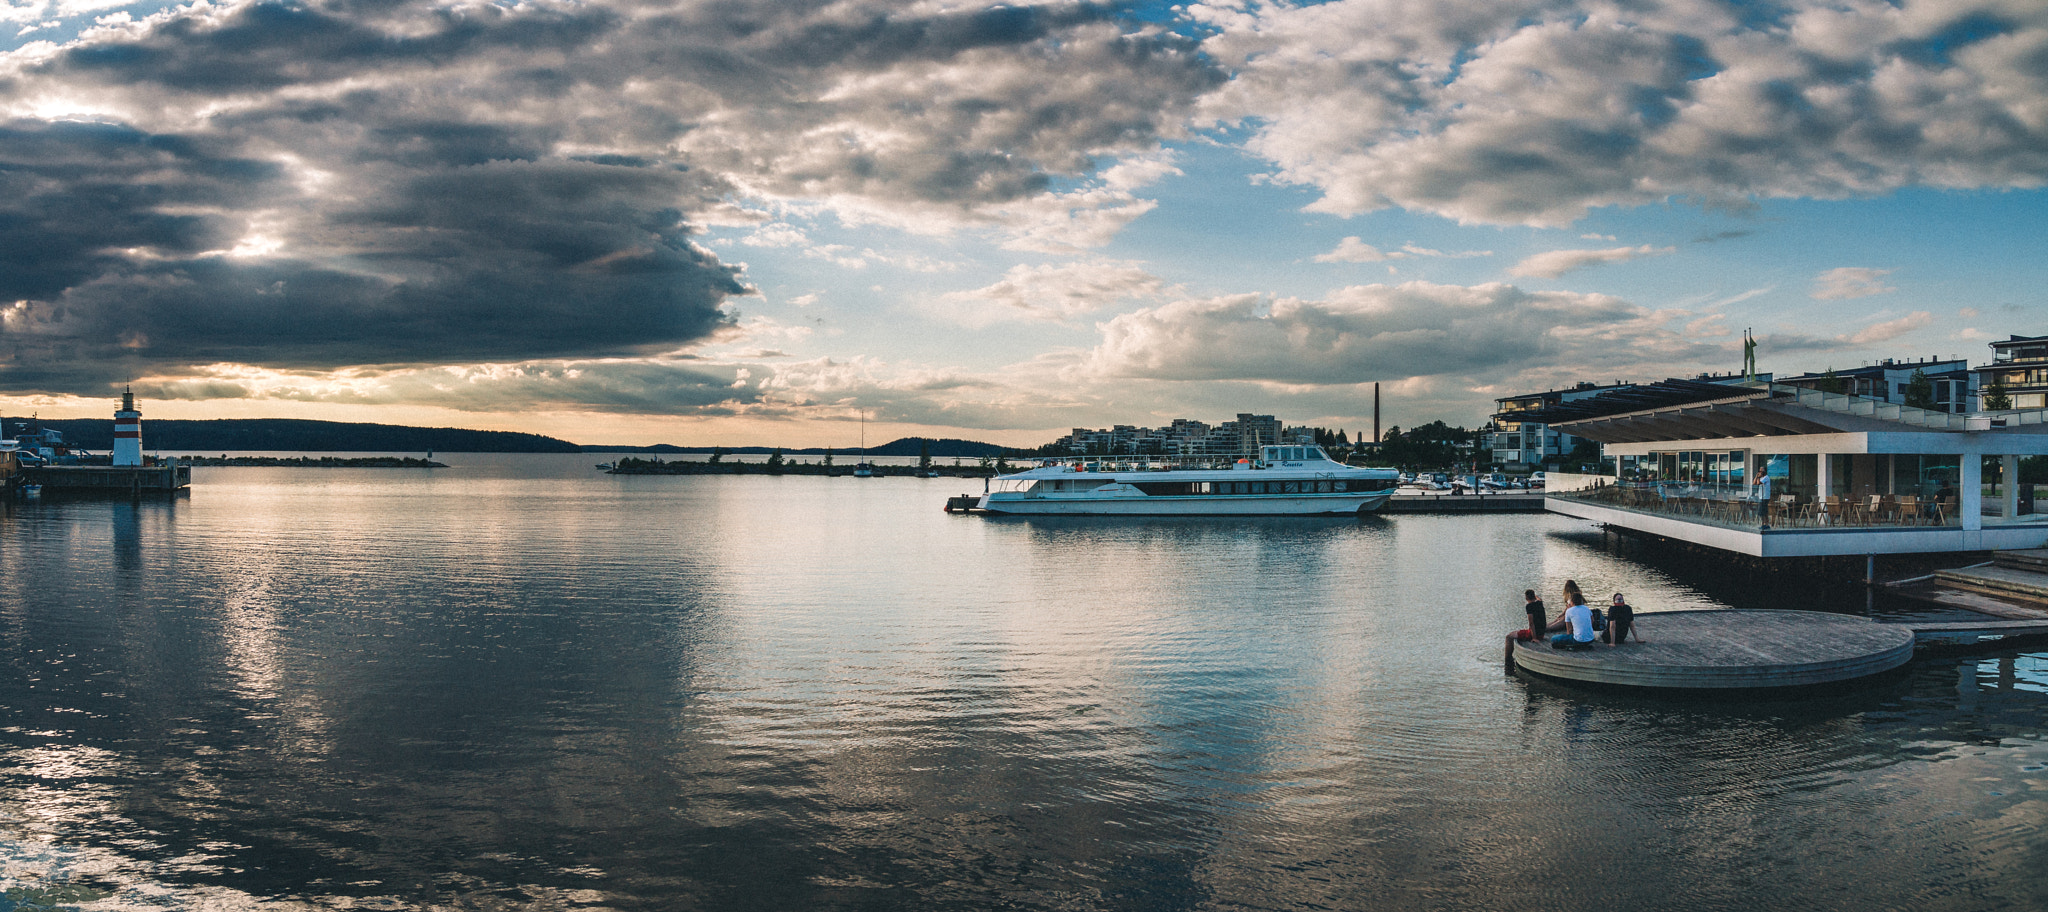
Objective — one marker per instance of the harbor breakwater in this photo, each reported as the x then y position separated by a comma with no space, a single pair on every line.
632,466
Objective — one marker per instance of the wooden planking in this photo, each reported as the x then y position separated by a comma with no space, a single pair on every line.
1999,580
1963,633
1732,649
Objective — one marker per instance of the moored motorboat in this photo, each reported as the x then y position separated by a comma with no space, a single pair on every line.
1283,481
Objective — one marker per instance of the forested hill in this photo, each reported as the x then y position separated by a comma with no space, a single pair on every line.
295,435
946,446
200,438
941,447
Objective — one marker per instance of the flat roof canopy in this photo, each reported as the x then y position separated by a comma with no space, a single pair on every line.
1794,420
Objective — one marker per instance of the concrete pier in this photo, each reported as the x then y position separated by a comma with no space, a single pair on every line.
1464,503
155,479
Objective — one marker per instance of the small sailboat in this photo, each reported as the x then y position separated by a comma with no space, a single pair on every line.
863,469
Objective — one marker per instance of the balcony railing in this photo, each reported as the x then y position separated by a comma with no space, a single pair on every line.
1739,507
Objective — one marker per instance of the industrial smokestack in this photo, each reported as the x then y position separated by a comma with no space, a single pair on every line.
1375,412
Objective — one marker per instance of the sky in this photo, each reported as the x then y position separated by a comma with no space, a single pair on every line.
753,222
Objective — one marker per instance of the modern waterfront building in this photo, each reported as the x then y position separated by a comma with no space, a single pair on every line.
1184,437
1952,383
1774,470
2018,369
1521,442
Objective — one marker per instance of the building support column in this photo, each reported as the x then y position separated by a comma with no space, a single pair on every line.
2008,486
1972,503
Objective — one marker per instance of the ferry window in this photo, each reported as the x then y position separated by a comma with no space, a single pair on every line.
1258,487
1290,488
1340,487
1323,487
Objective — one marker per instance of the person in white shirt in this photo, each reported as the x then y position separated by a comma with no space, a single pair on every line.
1577,625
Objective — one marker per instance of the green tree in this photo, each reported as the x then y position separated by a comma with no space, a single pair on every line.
717,455
828,457
1996,399
1431,446
1829,383
775,462
924,455
1920,390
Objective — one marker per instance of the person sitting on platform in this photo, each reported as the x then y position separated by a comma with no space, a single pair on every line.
1534,605
1621,621
1576,624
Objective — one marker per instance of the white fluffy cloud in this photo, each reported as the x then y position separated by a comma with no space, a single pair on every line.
1534,112
1891,329
1057,291
1554,263
1353,250
1390,332
1850,282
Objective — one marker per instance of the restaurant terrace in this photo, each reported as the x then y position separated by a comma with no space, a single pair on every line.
1771,470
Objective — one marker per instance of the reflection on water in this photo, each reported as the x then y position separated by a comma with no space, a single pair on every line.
514,684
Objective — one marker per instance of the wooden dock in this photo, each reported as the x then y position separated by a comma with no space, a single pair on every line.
2012,575
1730,649
1464,503
1972,633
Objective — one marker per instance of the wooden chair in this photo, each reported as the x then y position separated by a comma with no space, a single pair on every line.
1800,510
1909,510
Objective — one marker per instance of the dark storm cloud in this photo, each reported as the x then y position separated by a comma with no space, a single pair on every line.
322,185
73,194
500,261
274,45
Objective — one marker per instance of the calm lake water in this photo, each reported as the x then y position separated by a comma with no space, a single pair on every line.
518,684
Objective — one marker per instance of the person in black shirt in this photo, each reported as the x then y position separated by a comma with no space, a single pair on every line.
1621,621
1534,605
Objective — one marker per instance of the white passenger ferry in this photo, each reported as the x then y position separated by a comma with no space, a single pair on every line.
1284,481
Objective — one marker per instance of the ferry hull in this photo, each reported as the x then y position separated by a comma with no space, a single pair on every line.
1209,505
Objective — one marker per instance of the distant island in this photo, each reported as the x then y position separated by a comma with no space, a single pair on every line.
633,466
318,462
939,448
295,435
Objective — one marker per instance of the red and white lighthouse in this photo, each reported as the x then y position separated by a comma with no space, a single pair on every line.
127,432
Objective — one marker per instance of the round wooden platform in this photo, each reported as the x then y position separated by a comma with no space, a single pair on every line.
1729,649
